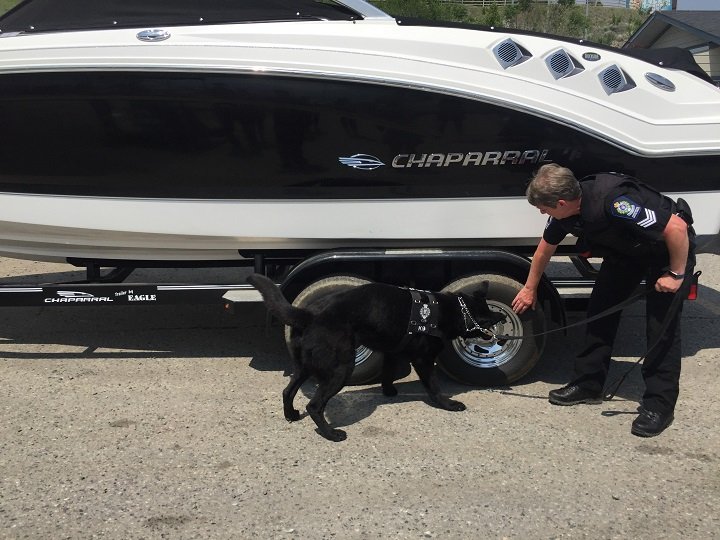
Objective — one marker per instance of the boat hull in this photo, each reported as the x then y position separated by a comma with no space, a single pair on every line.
173,162
61,227
213,230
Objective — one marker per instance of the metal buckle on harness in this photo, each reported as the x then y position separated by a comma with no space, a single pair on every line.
467,315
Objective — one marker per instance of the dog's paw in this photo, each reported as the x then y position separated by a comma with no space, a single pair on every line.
455,405
292,415
389,391
335,435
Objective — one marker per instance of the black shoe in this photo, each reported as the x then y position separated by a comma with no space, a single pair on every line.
650,423
572,394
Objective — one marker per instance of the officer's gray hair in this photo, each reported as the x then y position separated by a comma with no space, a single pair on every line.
552,183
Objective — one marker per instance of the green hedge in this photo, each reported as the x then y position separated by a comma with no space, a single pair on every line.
611,26
7,4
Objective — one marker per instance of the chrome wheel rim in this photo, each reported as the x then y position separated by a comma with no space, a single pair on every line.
492,353
362,353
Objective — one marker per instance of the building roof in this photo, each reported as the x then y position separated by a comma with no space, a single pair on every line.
704,24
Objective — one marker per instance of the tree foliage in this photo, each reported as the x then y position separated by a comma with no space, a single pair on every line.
7,4
603,25
609,26
425,9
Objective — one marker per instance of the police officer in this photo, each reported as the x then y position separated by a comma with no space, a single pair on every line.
637,232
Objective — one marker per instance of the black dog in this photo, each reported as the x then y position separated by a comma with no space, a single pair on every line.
323,341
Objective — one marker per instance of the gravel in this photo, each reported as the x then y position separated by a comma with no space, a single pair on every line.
166,422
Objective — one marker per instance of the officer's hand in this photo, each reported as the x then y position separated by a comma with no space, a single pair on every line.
525,299
669,284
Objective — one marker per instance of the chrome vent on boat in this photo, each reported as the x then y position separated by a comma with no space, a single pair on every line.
508,53
660,82
562,65
152,36
614,79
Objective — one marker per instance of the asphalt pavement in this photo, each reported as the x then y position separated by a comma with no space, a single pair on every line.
166,422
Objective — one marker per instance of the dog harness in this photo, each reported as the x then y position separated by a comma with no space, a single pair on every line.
424,314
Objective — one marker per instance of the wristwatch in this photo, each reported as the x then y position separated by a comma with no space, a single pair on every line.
675,275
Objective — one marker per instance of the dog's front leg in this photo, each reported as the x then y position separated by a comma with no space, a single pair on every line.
425,368
388,376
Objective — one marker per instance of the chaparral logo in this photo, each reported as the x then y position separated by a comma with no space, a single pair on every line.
74,294
496,157
75,297
364,162
367,162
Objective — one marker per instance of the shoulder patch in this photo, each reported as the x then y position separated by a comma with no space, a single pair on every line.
624,207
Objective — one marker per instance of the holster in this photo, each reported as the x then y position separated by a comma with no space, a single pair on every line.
683,211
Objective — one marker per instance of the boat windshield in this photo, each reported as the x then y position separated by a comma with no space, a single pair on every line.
60,15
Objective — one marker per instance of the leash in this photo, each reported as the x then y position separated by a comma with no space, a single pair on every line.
684,212
677,300
678,297
617,307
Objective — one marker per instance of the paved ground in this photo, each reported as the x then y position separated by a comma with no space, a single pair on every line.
159,422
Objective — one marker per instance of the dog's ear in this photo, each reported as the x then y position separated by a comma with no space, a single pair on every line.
476,303
466,297
481,292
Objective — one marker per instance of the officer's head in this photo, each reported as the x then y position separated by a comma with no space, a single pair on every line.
554,190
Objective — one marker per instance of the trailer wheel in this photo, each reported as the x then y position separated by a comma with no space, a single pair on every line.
489,362
368,363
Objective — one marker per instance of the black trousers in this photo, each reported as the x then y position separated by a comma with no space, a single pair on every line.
617,280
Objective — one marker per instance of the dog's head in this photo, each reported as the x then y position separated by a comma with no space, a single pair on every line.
479,317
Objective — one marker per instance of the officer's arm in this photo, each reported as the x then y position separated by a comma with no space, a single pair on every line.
675,235
527,297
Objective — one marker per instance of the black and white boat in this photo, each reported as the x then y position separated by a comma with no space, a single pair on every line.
207,131
326,144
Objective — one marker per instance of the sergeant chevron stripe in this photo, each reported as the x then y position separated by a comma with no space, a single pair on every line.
650,218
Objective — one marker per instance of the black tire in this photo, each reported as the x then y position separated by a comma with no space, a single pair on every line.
481,362
368,363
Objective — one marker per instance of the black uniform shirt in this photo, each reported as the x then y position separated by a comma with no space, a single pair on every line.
616,214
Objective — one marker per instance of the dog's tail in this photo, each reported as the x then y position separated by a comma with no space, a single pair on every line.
276,303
